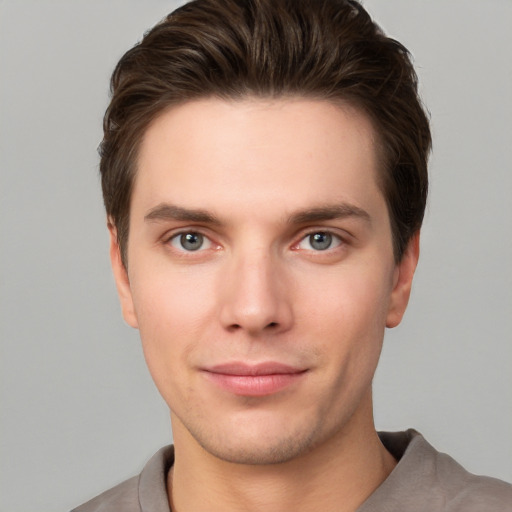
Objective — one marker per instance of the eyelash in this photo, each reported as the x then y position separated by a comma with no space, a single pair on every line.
333,238
176,240
178,237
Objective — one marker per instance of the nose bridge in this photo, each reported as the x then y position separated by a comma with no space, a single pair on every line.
254,294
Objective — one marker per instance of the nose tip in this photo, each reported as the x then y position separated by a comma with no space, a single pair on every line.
255,299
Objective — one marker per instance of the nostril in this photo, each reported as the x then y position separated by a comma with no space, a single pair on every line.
272,324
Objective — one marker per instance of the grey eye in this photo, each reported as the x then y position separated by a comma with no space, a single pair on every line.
320,241
188,241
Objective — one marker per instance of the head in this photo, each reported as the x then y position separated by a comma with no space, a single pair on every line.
328,50
264,174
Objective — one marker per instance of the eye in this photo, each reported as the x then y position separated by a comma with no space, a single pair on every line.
319,241
190,241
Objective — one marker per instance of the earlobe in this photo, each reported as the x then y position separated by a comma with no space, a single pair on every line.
404,273
121,277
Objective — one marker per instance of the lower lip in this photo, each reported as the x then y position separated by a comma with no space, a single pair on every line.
254,385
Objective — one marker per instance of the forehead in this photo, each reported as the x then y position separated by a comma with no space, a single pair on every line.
234,155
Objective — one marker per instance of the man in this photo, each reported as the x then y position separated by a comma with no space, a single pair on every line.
264,170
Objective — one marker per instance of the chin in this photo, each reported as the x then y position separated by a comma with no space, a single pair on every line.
261,443
259,453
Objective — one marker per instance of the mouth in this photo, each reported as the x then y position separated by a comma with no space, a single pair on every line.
254,379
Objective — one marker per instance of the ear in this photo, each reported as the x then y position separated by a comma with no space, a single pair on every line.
402,281
121,277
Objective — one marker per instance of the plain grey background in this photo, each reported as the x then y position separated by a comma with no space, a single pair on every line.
79,412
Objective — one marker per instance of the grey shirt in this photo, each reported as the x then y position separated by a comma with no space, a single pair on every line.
424,480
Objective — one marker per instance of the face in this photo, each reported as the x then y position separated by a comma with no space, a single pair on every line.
261,273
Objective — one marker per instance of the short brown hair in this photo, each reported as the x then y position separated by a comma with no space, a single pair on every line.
231,49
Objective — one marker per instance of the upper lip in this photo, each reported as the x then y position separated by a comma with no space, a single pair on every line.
245,369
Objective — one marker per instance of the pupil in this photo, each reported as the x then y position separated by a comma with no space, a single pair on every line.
191,241
320,241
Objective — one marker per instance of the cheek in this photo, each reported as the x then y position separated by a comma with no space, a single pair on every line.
171,298
172,310
346,313
349,298
344,318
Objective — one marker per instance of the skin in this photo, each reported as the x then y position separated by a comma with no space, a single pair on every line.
256,178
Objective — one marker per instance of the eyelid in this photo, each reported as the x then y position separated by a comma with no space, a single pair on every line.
175,241
174,234
343,238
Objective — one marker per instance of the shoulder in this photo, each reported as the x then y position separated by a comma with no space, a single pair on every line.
122,497
483,493
464,491
147,491
428,480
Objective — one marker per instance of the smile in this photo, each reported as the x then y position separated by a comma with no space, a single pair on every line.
254,380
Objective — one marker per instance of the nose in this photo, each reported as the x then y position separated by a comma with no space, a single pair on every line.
255,295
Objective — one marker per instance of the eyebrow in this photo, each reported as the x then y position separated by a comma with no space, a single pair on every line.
165,211
329,212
